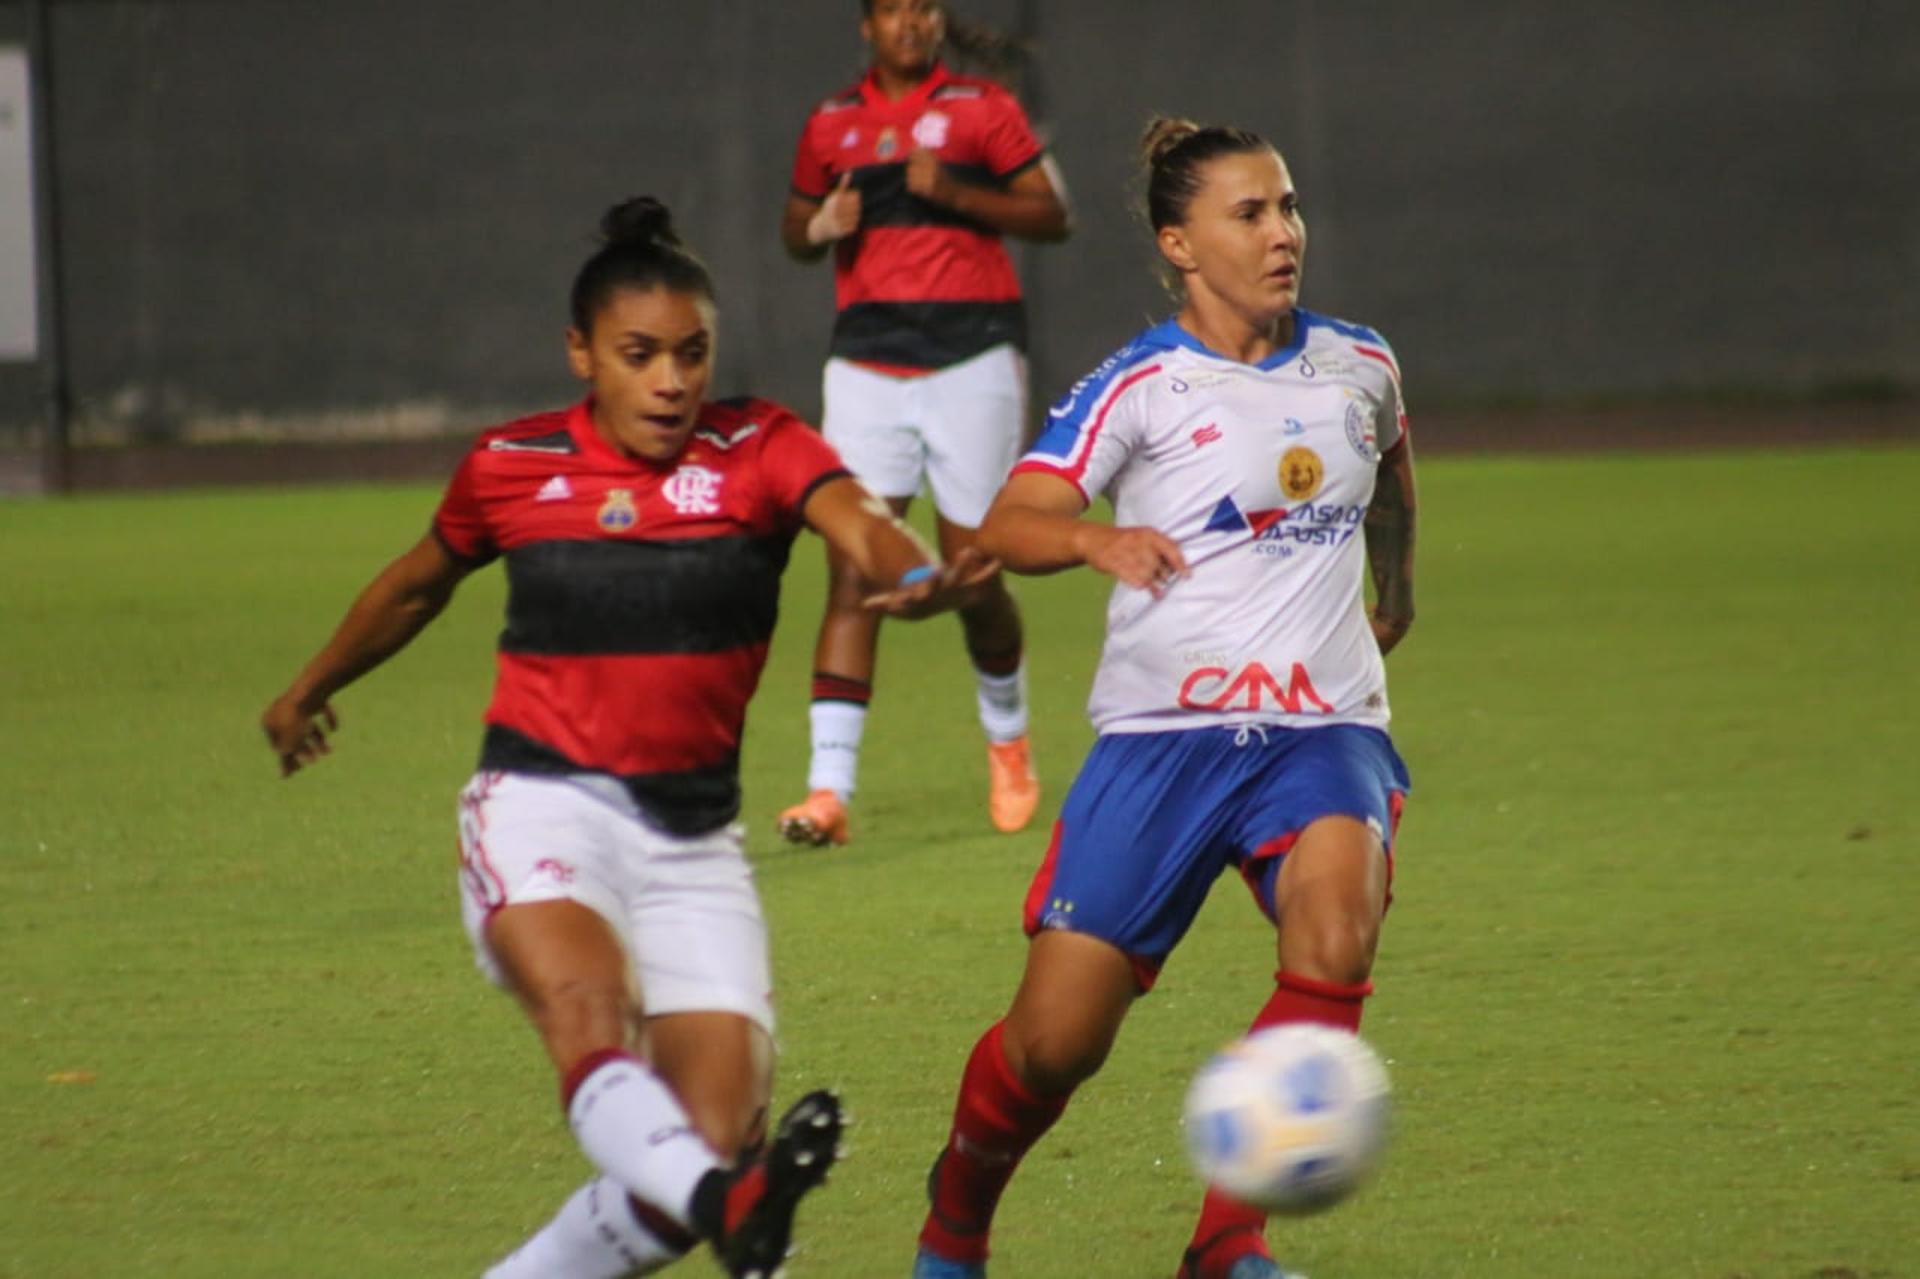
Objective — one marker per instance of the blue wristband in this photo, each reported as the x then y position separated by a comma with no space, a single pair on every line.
915,576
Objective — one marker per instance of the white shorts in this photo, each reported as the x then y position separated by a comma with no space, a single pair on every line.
959,429
684,907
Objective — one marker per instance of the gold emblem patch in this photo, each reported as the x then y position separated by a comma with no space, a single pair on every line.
617,513
1300,473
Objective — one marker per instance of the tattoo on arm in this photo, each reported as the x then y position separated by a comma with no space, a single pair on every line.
1389,532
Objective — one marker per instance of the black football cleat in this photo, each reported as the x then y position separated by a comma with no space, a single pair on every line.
750,1210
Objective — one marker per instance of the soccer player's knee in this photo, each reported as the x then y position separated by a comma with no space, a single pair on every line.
1337,946
581,1015
1055,1062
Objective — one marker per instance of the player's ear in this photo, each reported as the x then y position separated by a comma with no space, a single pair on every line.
579,355
1174,247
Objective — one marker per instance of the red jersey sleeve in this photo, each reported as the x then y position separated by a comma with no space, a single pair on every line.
461,521
794,461
1007,140
812,176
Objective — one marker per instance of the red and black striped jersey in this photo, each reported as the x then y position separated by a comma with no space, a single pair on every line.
918,285
641,596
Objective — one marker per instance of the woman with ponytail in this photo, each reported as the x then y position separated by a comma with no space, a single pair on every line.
1257,459
911,177
603,879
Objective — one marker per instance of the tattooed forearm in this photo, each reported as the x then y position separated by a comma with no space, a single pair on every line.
1389,531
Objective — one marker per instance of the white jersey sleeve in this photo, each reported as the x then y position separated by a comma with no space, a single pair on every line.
1098,424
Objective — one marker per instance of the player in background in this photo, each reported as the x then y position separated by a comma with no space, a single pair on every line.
603,879
911,177
1258,463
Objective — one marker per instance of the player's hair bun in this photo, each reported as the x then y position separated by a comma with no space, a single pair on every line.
1163,133
637,221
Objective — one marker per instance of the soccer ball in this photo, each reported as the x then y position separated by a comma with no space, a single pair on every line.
1291,1119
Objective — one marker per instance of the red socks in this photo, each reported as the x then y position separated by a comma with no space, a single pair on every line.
1228,1229
995,1122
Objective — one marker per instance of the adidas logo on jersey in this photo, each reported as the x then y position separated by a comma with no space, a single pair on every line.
554,490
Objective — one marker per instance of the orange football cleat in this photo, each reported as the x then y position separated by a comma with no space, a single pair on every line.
1013,791
819,819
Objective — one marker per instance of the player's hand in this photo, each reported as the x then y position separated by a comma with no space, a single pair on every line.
838,215
1388,631
927,177
954,584
1144,558
296,734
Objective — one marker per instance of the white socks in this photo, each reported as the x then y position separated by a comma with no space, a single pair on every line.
635,1132
594,1236
837,727
1003,704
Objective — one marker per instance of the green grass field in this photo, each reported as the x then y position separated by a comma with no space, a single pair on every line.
1650,991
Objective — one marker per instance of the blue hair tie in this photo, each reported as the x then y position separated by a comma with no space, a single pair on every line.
915,576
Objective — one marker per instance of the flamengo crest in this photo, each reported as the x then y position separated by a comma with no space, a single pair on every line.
693,490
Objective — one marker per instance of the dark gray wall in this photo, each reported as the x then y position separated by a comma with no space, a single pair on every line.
308,212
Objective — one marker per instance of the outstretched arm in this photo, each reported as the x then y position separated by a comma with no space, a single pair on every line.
1389,531
907,577
1029,206
392,609
1037,526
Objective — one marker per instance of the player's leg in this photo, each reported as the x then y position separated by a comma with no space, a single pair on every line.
996,649
867,418
974,417
844,658
567,967
1321,870
699,943
1133,855
1070,1004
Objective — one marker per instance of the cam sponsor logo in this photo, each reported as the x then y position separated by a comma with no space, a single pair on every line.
693,490
1251,688
930,130
617,514
1301,473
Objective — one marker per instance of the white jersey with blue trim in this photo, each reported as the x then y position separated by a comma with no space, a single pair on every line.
1262,473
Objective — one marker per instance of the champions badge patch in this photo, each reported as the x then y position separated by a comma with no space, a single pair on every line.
617,513
1360,433
1300,473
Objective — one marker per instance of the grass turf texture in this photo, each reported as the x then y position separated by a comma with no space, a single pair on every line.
1647,994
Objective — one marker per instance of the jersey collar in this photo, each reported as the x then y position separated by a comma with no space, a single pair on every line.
870,88
1168,332
593,444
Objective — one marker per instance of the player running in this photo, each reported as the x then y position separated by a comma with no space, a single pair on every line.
603,879
1257,460
911,177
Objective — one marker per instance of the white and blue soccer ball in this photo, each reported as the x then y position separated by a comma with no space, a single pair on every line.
1291,1118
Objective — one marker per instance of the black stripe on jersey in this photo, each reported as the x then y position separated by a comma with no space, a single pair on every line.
690,802
885,200
553,442
700,595
806,494
927,335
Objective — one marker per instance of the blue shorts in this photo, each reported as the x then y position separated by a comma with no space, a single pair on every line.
1153,818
